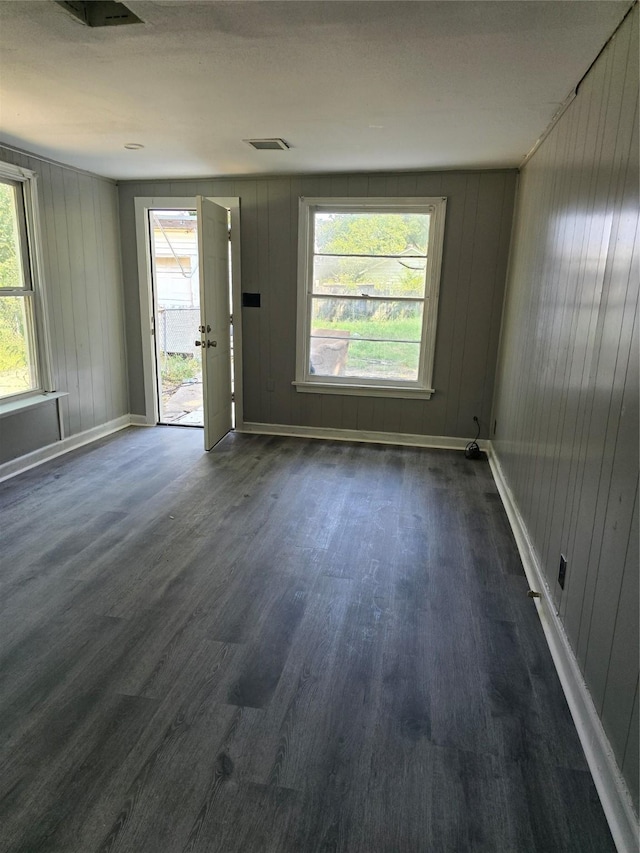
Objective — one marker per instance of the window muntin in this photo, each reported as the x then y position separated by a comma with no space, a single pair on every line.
369,272
21,352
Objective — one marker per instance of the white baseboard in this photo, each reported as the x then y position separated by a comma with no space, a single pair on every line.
612,789
435,441
30,460
140,420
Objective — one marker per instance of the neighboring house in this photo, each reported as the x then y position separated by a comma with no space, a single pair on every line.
176,260
176,282
368,274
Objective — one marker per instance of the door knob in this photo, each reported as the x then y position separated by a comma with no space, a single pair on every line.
212,343
198,343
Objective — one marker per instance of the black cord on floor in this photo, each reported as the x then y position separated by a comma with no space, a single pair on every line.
472,450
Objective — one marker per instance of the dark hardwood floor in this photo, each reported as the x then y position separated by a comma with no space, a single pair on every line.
282,645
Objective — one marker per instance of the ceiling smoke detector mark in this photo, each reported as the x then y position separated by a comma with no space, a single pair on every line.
267,144
99,13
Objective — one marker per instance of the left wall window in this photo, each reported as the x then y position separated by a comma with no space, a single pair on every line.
24,368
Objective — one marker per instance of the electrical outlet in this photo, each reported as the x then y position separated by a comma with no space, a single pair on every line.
562,571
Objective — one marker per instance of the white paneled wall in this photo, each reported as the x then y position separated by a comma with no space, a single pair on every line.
567,386
81,253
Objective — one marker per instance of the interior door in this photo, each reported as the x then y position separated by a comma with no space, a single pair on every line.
213,248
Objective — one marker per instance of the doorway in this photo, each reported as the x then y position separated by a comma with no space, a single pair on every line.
189,274
176,316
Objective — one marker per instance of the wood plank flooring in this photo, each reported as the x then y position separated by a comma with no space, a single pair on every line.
282,645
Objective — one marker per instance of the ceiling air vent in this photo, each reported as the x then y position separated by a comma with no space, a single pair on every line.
99,13
267,144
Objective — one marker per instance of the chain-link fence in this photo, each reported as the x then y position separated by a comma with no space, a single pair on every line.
177,330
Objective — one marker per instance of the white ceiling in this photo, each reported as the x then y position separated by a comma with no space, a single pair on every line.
351,86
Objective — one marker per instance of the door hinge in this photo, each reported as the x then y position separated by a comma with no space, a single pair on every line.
233,397
231,319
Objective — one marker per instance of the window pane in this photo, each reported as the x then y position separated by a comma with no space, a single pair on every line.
371,233
367,318
365,338
175,255
364,359
18,371
369,271
11,272
371,276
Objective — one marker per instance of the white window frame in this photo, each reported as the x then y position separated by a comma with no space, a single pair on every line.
422,387
31,247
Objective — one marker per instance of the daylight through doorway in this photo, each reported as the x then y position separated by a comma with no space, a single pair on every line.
176,296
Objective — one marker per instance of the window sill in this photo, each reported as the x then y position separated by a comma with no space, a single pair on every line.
10,407
364,390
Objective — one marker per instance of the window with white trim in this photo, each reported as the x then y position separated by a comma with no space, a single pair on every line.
368,284
23,348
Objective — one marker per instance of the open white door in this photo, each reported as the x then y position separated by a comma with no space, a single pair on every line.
213,248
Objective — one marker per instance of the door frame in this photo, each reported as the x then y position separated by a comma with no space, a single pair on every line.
143,204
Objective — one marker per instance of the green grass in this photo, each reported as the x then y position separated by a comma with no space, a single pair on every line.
403,328
388,359
175,369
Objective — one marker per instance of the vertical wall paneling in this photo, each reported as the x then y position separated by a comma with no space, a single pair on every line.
106,338
479,207
282,313
597,452
358,186
95,310
619,684
555,275
482,311
463,259
64,293
263,362
79,299
298,410
250,284
131,302
23,433
113,318
615,360
567,386
492,342
632,748
573,327
82,272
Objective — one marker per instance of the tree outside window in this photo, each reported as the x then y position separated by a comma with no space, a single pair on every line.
20,358
368,293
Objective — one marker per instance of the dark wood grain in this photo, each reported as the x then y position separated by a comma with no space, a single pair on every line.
282,645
